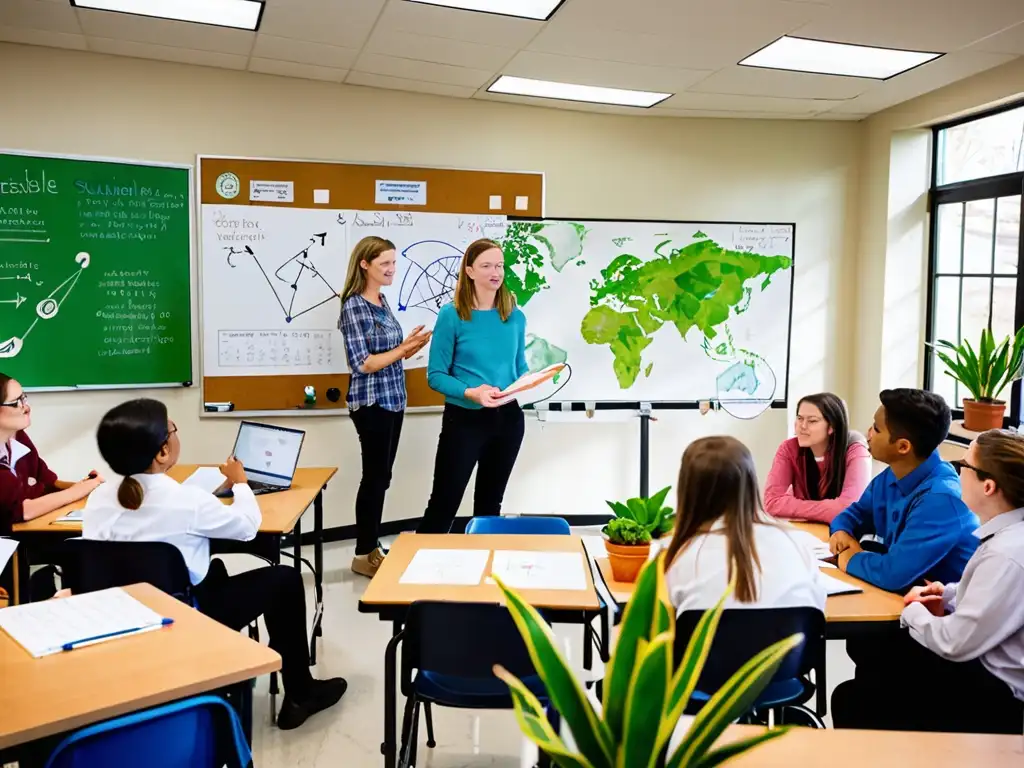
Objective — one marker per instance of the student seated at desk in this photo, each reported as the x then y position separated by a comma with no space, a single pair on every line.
961,668
140,443
721,529
823,469
28,488
914,506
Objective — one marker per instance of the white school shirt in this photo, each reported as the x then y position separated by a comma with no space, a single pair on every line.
987,606
788,578
182,515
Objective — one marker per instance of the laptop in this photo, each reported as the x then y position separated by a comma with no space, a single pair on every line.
269,455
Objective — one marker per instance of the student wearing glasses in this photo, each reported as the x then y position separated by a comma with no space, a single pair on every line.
28,487
961,666
141,444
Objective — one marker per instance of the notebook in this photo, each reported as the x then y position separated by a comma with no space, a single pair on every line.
834,586
74,516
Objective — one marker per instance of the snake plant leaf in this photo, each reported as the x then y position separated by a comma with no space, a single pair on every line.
729,751
645,705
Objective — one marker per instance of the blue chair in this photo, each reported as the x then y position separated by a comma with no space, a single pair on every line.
201,732
448,655
745,632
524,526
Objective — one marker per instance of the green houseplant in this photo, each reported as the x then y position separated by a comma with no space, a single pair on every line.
984,373
628,535
644,696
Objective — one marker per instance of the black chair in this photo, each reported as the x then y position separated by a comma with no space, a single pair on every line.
745,632
448,655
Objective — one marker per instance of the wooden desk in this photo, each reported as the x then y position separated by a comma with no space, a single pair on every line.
48,696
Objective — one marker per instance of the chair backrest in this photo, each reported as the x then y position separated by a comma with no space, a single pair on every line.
744,632
92,565
463,640
526,525
201,732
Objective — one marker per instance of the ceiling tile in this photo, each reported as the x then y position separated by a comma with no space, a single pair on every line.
751,81
454,24
176,34
718,102
439,50
166,53
376,64
1008,41
34,14
611,74
303,52
611,45
41,37
401,84
343,23
291,69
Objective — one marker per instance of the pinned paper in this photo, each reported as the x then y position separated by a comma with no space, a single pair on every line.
321,196
495,204
522,202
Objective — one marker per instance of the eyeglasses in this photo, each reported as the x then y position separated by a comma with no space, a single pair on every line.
18,402
960,465
169,433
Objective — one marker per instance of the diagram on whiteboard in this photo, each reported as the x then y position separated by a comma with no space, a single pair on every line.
431,272
46,309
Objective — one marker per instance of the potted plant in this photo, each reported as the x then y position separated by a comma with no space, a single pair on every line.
628,535
644,693
984,374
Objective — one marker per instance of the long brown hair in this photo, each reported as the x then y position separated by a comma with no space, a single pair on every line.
4,381
833,411
504,302
1001,455
367,249
717,480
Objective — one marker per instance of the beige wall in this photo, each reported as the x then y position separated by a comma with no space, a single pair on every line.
596,166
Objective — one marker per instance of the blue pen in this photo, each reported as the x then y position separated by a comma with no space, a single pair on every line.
68,646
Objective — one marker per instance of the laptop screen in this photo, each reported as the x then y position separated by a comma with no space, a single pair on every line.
268,453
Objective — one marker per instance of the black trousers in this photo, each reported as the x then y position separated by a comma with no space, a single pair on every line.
379,431
485,438
276,593
904,686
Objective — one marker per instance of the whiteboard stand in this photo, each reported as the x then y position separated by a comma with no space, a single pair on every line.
645,448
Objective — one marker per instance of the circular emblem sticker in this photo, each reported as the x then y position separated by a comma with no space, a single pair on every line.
228,185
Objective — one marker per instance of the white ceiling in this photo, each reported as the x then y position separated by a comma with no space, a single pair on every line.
686,47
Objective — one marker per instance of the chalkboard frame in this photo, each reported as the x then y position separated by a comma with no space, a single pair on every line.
191,208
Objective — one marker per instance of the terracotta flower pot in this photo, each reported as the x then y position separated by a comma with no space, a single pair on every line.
979,416
626,561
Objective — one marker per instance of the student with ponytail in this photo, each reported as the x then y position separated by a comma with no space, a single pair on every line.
141,444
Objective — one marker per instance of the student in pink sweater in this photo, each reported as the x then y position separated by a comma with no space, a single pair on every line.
821,471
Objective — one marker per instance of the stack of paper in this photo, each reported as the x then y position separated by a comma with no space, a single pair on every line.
463,567
52,626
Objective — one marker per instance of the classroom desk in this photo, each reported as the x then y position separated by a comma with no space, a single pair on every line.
43,698
282,514
390,599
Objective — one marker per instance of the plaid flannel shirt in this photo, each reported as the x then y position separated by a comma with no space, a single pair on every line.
371,330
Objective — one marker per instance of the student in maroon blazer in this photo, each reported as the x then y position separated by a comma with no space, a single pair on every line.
28,488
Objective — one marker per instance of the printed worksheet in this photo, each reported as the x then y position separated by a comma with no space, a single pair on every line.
540,570
462,567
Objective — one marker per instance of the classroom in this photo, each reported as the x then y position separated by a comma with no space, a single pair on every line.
849,178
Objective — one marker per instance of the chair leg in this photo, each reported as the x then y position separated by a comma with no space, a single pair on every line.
274,690
802,714
429,715
606,642
415,741
404,757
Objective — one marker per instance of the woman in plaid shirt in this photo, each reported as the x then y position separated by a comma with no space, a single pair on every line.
376,390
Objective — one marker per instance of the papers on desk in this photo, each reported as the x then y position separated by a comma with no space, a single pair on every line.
74,516
72,622
461,567
834,586
7,547
818,548
540,570
208,479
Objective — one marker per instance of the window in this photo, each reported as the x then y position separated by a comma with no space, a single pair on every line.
975,254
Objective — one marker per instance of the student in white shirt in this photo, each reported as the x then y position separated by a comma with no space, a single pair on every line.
140,443
962,666
721,529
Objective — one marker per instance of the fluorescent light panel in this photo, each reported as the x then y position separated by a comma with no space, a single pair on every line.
240,14
800,54
549,89
541,10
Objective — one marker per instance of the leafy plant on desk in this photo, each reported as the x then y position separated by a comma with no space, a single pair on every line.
626,533
649,511
644,693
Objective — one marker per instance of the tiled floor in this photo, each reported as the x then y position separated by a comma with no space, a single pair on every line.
350,734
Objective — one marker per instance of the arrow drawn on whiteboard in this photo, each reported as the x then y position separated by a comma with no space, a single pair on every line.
17,277
17,301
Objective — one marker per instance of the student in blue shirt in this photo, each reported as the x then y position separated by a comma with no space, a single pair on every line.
914,506
478,350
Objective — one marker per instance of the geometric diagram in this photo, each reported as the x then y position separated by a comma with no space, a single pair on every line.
431,286
46,309
299,274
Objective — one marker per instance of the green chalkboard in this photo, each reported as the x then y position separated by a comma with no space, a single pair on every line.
94,272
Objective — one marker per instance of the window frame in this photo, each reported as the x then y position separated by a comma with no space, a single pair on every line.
987,188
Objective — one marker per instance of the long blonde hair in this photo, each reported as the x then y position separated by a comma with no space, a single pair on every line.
504,302
367,249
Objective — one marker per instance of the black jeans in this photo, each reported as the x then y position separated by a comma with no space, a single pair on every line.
276,593
485,438
379,431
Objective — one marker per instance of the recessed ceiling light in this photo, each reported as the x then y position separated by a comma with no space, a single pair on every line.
240,14
540,10
548,89
799,54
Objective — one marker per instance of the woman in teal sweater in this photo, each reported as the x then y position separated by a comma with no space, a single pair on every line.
478,349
